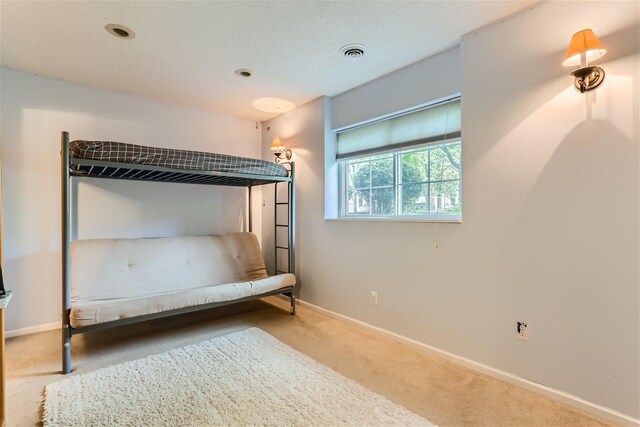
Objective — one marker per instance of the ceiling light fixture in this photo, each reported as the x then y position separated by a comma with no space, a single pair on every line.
352,51
120,31
273,105
243,72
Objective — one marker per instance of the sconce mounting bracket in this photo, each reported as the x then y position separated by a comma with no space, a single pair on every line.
588,78
287,154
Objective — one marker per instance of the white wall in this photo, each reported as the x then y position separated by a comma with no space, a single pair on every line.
363,103
550,229
552,201
303,131
34,110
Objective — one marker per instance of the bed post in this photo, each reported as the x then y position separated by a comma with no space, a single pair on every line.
250,213
66,238
292,233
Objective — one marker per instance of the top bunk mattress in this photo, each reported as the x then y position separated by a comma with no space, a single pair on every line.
186,160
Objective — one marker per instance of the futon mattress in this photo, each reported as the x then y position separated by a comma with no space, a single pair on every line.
120,152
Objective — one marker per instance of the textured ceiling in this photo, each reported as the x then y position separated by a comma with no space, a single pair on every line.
186,52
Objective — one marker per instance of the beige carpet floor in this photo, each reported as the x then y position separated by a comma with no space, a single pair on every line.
443,393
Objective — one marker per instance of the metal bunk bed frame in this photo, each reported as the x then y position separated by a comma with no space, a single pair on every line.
175,175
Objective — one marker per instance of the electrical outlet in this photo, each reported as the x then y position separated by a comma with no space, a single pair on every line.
373,297
522,329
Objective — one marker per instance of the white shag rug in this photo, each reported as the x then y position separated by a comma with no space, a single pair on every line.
245,378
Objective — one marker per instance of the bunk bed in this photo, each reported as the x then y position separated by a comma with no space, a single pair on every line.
116,160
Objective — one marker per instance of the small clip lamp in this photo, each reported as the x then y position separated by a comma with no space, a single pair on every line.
279,150
584,48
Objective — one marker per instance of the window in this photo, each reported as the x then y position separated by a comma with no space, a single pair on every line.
407,166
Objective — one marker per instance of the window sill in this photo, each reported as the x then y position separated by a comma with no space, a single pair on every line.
450,220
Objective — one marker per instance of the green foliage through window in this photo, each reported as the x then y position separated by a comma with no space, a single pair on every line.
421,181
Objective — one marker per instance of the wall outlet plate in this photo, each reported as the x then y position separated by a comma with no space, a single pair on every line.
522,330
373,297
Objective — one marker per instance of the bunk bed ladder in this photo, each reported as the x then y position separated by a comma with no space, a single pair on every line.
290,226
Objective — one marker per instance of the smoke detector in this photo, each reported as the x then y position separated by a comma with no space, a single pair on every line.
352,51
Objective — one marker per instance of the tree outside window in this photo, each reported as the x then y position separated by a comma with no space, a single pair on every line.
424,181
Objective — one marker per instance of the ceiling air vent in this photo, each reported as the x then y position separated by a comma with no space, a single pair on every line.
352,51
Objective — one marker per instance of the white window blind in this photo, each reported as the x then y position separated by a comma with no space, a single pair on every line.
436,123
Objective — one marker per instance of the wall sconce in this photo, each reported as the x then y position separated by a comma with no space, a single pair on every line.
279,150
584,48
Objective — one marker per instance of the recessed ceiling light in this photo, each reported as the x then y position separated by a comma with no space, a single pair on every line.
352,51
120,31
243,72
273,105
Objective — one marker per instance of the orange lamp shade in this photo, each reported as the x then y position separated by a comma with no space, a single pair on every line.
586,42
277,145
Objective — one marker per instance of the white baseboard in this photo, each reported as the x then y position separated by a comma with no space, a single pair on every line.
32,329
566,398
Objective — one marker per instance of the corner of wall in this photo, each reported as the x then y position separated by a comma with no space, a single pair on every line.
331,175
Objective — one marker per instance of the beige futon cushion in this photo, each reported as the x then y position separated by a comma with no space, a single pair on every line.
91,313
113,279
